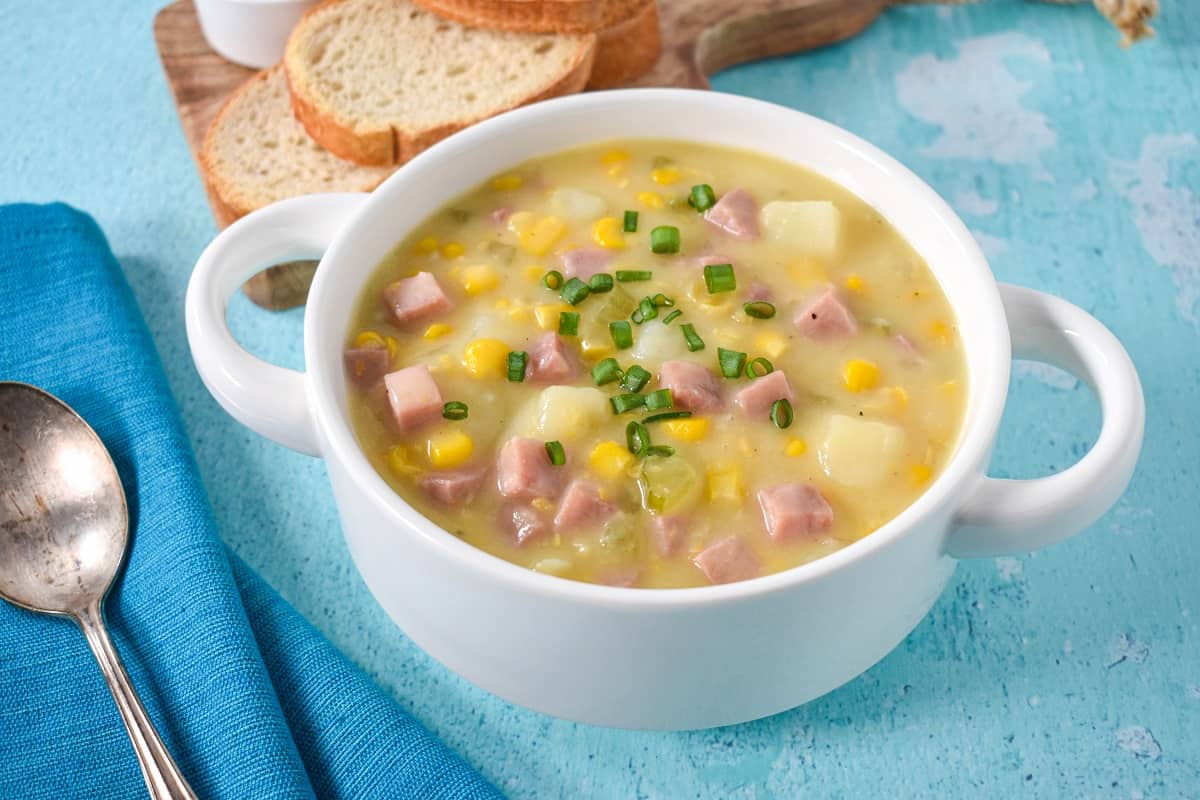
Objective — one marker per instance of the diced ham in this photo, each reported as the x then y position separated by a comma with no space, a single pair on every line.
736,213
582,506
584,262
623,577
693,387
413,396
524,470
551,361
911,354
500,215
826,318
727,560
792,510
756,399
366,365
668,532
758,291
523,522
454,487
416,298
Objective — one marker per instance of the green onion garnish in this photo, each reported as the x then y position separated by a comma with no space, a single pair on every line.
606,371
574,291
600,283
629,275
553,280
635,379
664,239
662,301
516,366
669,318
622,334
568,323
781,413
666,415
646,310
759,367
631,221
702,197
759,309
661,450
732,362
719,278
558,456
637,438
694,342
623,403
454,410
658,400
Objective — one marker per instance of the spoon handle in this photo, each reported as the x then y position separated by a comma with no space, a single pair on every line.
162,775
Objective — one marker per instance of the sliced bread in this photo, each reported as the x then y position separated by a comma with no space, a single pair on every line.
255,153
628,49
378,81
536,16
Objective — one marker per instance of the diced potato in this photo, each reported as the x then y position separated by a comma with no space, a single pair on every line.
809,226
568,412
725,484
668,484
656,342
576,204
860,452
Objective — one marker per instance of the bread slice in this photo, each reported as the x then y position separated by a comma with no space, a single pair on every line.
536,16
627,50
378,81
255,153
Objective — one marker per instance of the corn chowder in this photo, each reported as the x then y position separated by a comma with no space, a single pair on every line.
656,364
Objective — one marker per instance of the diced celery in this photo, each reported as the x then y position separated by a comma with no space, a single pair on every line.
668,484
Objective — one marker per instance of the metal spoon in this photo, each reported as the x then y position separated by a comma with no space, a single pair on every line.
64,527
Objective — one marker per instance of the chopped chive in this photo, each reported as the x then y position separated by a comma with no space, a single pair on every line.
664,239
645,311
568,323
600,283
629,275
574,291
702,197
719,278
694,342
631,221
553,280
781,413
658,400
759,309
636,379
516,365
662,301
637,438
759,367
606,371
732,362
622,334
669,318
667,415
623,403
661,450
455,410
662,161
558,456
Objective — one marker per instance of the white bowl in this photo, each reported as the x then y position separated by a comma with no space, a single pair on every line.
252,33
675,658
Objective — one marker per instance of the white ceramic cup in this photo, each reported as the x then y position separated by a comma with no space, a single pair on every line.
666,658
252,33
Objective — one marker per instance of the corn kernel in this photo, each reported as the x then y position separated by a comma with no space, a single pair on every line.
426,245
898,398
393,346
856,283
547,315
502,304
949,388
442,363
453,250
507,183
519,314
725,484
479,278
796,447
542,504
537,238
614,157
619,174
609,459
691,429
486,358
665,176
920,474
939,331
596,349
399,461
437,330
519,222
651,199
807,272
858,374
770,343
608,232
370,339
533,273
449,448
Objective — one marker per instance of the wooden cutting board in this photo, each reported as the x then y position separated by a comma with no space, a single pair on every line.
699,37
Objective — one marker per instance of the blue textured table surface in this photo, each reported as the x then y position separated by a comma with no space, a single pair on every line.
1073,672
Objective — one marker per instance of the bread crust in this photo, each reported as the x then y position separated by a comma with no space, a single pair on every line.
536,16
627,50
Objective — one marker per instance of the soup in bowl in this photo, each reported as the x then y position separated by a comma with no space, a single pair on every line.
869,560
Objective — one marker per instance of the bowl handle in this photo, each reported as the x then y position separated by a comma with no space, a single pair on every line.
1002,517
270,400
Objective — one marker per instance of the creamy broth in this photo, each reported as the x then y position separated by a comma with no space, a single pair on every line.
864,341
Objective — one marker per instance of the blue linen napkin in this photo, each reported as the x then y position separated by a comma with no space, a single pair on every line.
252,701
